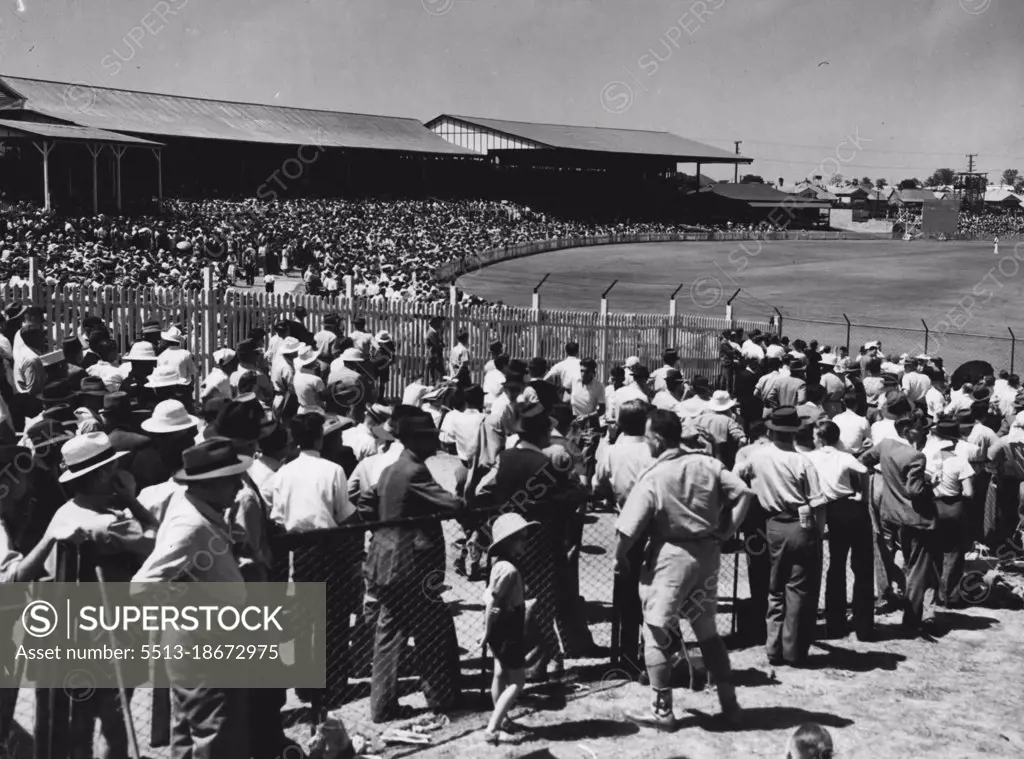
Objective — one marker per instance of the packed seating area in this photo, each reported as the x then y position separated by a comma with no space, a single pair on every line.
992,224
391,248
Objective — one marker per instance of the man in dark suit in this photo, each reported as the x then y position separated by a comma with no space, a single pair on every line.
406,566
906,503
435,349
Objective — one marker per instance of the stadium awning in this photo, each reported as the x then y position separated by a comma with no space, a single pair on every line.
69,133
523,135
148,113
46,135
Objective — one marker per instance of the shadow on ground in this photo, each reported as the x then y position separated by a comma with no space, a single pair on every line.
763,718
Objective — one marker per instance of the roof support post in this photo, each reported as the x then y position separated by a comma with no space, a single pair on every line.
698,176
45,148
119,151
159,155
94,151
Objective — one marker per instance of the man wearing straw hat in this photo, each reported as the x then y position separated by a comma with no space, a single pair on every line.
176,356
685,504
218,382
118,536
718,421
194,544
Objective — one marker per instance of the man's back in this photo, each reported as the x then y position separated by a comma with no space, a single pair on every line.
906,496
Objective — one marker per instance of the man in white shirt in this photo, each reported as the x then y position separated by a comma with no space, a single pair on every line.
361,438
854,429
175,356
670,398
494,381
311,493
1005,393
459,354
107,368
218,382
670,360
896,407
934,397
565,371
914,383
697,402
842,479
751,349
461,427
632,391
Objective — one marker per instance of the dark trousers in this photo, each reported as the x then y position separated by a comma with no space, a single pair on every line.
210,723
952,536
849,529
887,573
922,572
103,705
754,611
269,287
793,588
340,570
630,611
413,610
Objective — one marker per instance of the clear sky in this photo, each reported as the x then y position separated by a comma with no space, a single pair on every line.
879,88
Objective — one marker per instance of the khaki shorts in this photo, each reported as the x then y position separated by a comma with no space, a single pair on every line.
680,582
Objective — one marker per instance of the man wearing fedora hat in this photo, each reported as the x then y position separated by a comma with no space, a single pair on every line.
141,361
250,361
211,722
669,361
382,356
399,560
501,420
683,505
170,430
787,487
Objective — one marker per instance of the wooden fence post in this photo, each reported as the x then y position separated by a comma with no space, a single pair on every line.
349,302
603,339
453,315
210,321
536,323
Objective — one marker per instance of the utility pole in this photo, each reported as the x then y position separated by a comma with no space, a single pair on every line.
970,162
736,167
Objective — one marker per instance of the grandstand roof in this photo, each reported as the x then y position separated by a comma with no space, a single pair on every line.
69,133
602,139
173,116
914,195
760,195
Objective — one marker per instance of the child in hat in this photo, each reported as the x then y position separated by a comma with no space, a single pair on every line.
505,621
810,741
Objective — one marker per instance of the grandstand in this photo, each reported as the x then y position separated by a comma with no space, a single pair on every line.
140,147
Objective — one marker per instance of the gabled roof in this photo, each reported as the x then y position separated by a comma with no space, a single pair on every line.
847,190
173,116
915,196
808,190
759,195
602,139
67,133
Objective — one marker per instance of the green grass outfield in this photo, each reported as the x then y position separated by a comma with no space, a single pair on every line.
956,287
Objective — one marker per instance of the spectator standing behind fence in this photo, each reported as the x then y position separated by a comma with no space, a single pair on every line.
685,504
311,493
406,567
435,349
207,723
786,484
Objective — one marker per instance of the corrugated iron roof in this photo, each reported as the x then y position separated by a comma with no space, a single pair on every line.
760,194
77,133
174,116
604,140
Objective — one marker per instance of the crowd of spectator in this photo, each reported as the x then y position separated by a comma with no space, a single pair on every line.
390,248
992,224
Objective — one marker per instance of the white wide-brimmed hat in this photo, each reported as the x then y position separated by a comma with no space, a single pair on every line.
223,356
290,346
165,376
169,416
173,335
352,354
85,453
507,526
307,357
141,351
721,401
